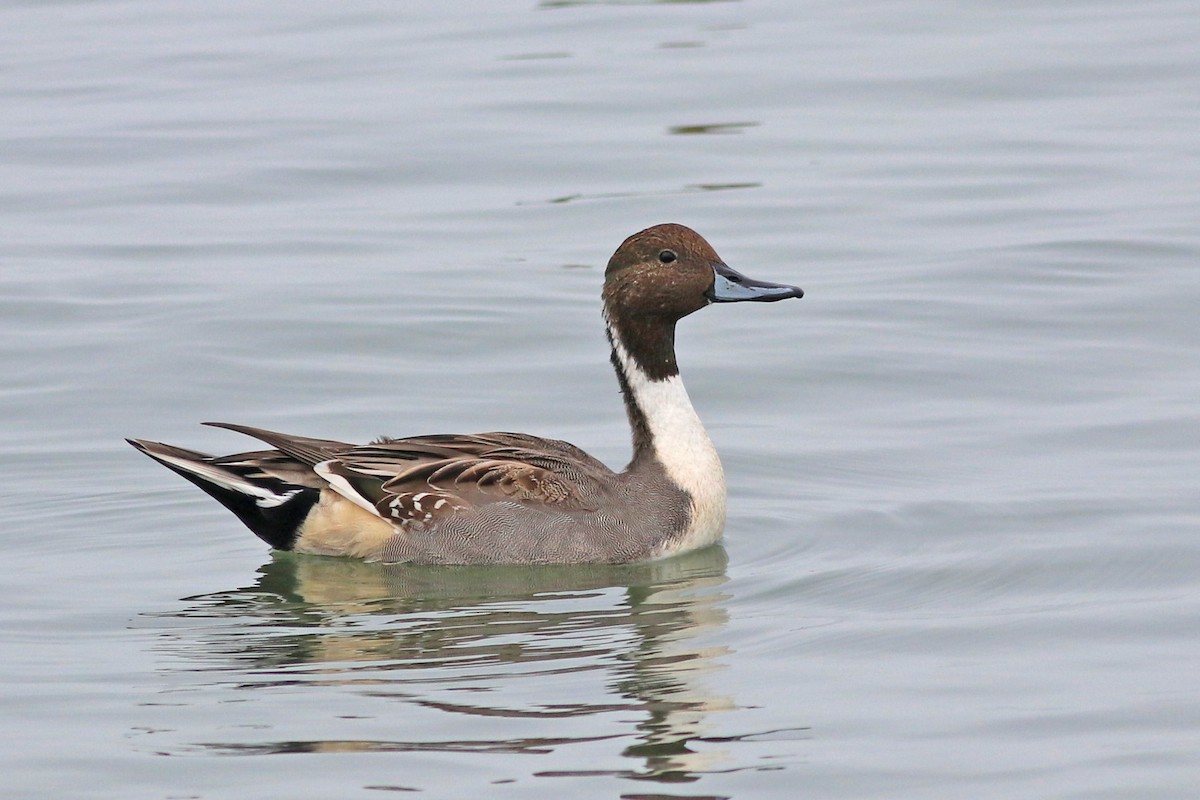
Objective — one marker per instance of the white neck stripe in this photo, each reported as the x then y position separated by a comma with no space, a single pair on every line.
680,444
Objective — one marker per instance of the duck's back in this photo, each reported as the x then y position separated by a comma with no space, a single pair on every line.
499,498
444,499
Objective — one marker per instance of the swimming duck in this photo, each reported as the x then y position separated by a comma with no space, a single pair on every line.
511,497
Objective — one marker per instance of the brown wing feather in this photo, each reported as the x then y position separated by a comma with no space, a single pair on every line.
468,470
419,479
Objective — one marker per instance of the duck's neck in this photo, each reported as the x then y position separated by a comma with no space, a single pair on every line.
665,427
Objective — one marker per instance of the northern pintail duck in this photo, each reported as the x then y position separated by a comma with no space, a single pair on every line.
511,497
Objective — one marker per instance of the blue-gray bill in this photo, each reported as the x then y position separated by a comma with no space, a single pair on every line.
731,286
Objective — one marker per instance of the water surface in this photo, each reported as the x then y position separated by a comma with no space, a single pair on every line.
962,550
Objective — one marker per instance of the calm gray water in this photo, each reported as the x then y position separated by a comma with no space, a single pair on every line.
963,553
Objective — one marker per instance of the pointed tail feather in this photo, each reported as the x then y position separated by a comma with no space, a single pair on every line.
302,448
272,508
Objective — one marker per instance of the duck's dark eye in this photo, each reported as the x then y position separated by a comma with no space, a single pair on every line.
667,256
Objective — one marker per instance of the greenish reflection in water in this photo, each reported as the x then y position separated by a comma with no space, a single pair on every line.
427,635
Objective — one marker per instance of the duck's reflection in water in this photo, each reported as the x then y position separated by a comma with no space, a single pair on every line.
610,656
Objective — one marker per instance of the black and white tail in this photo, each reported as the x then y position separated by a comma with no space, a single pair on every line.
272,508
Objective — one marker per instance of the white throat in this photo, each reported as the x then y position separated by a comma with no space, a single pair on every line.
682,446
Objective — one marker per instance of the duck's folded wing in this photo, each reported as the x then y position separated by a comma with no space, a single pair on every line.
424,478
481,444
